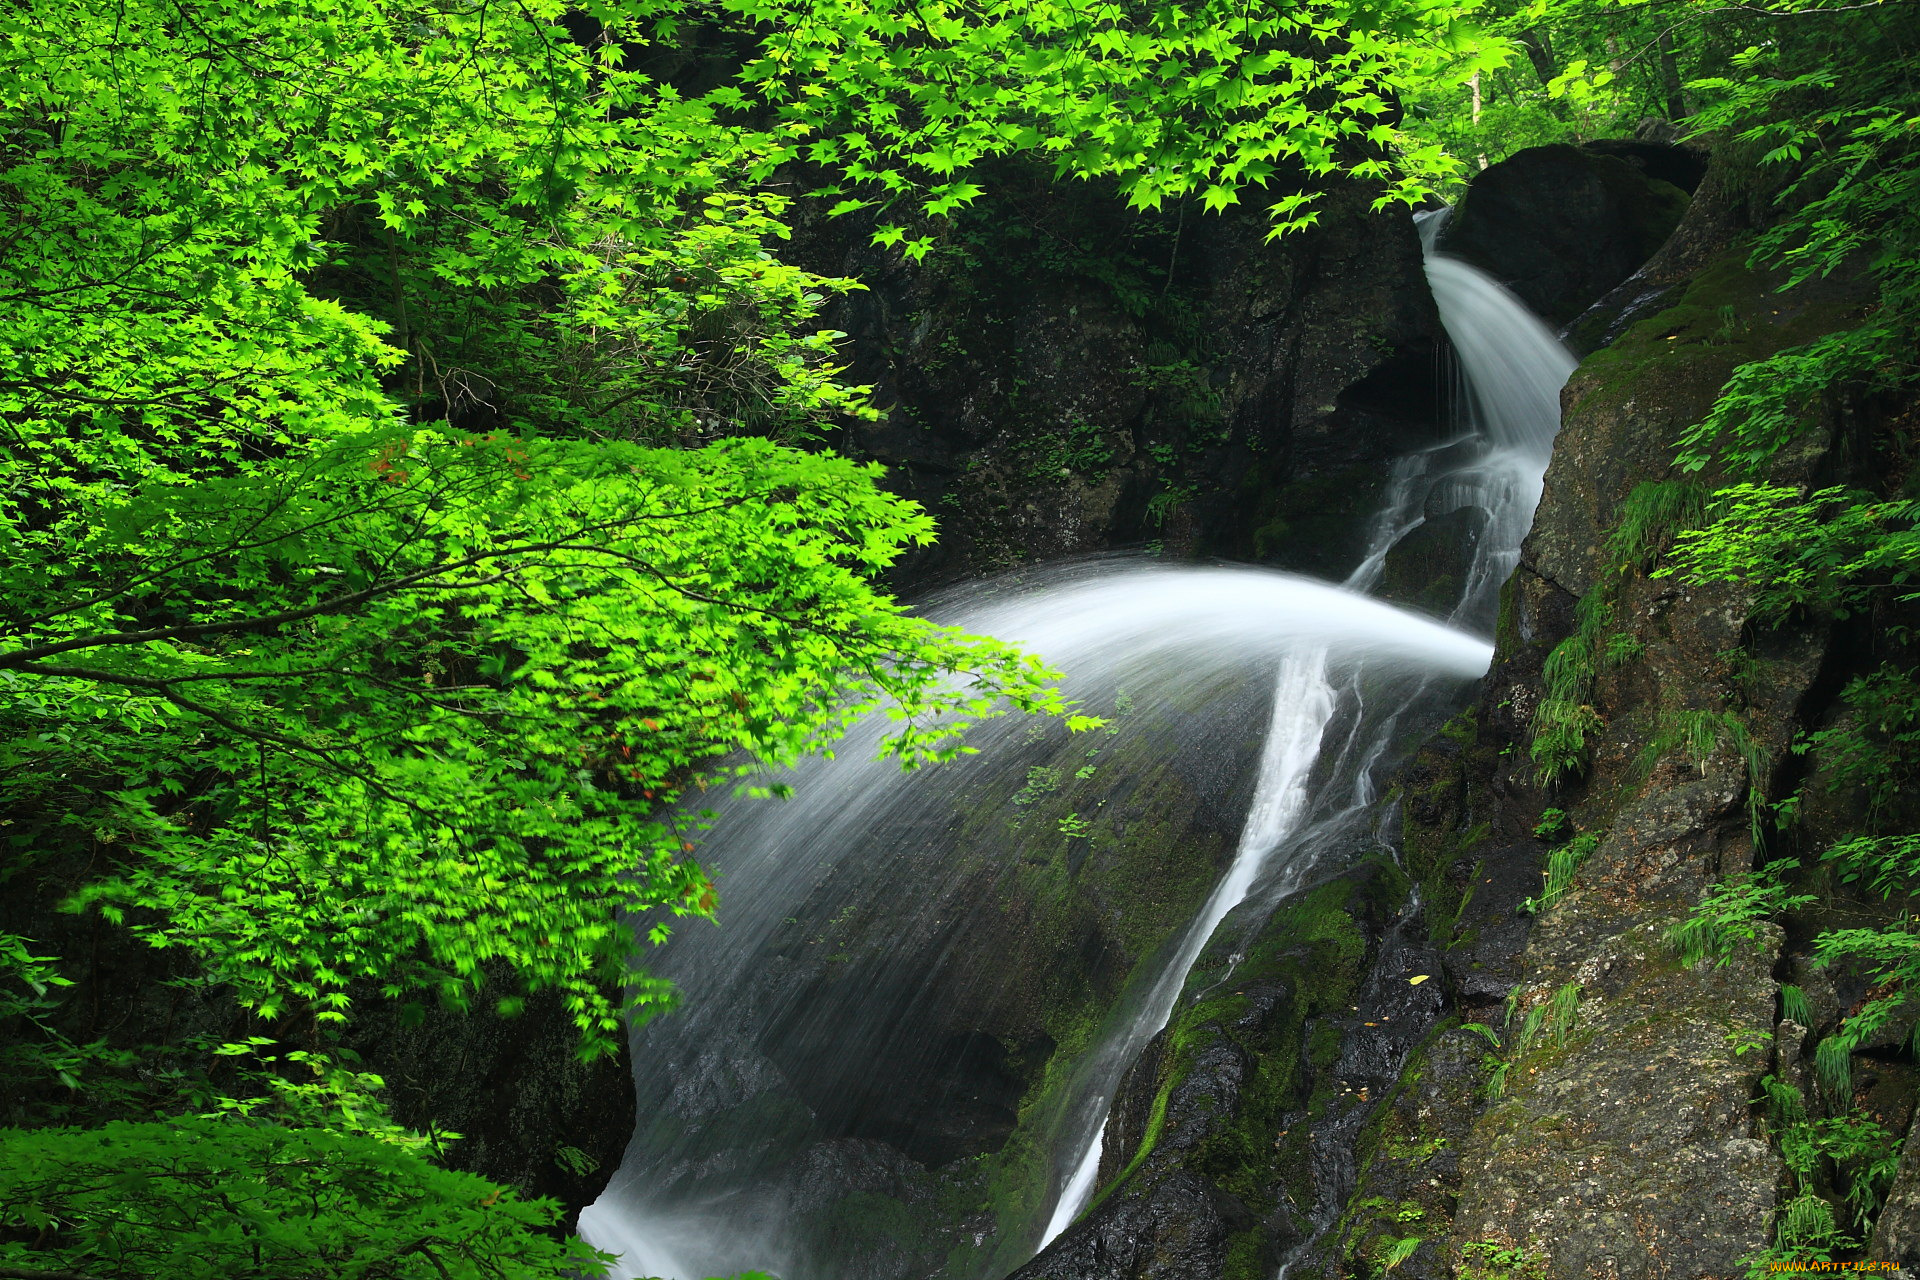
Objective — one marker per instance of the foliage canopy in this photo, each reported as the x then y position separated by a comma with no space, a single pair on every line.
411,483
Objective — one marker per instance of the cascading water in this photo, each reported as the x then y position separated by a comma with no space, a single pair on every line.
774,1043
1512,367
769,1024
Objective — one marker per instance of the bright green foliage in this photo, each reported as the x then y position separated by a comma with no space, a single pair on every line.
291,1168
1834,549
122,1199
1553,825
1835,107
1735,913
1398,1251
1492,1260
358,696
1169,101
443,735
1831,105
1548,1022
1566,716
1838,1164
1562,864
1545,1025
402,516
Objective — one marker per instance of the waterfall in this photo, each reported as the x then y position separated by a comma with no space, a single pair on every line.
780,1035
1303,704
1184,659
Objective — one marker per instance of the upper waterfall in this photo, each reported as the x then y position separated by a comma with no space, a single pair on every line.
1514,364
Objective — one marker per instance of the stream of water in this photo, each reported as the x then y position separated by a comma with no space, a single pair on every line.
1323,675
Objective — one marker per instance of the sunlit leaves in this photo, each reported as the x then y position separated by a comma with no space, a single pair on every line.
355,694
197,1197
1182,101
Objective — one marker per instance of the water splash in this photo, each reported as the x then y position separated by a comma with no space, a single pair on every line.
861,836
1511,368
862,839
1303,704
1514,364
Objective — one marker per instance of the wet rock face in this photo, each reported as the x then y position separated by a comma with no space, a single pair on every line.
1561,225
1179,1226
929,1038
1062,376
1428,567
1232,1137
1896,1236
529,1112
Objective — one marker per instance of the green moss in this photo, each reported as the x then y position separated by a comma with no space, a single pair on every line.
1440,832
866,1218
1694,334
1393,1152
1249,1256
1492,1260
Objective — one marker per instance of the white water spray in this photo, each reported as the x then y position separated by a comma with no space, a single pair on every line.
1513,367
688,1210
1303,703
855,838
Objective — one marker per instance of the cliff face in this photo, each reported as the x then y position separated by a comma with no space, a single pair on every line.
1063,376
1603,1122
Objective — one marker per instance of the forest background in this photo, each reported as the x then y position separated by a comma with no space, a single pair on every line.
416,481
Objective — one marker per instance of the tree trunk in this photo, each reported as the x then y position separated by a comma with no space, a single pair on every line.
1670,79
1539,46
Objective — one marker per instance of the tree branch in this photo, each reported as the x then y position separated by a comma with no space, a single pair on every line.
164,689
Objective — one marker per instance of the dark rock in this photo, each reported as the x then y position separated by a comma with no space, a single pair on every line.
1628,1148
1428,567
1683,166
1411,1179
1733,199
1561,225
1296,1023
1896,1236
1063,376
529,1112
1177,1230
934,1030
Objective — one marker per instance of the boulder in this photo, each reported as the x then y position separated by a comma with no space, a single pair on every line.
1561,225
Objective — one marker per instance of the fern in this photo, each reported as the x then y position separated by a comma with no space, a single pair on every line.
1399,1251
1562,864
1734,914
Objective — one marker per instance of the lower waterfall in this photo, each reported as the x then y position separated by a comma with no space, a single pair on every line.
810,1054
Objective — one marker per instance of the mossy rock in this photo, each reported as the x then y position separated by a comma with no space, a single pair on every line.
1211,1148
1428,567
